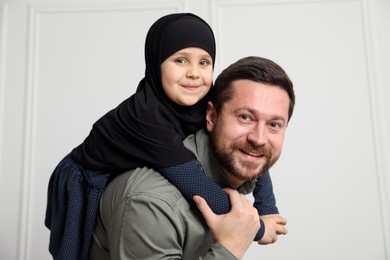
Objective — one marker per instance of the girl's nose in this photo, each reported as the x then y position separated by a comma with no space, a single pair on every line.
193,72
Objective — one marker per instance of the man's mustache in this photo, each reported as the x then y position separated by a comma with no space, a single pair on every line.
255,150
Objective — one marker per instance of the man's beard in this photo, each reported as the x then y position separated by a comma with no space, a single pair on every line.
238,167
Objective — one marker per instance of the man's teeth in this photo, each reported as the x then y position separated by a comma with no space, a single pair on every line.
252,154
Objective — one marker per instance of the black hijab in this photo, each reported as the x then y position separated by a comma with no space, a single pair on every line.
147,129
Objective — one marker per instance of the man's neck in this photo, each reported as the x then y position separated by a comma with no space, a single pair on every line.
233,180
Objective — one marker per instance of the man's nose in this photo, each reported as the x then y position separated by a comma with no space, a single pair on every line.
258,135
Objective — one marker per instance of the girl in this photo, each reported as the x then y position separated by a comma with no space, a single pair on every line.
146,129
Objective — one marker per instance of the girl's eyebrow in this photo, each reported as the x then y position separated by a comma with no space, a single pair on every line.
188,53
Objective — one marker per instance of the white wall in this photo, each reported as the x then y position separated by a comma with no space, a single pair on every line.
63,64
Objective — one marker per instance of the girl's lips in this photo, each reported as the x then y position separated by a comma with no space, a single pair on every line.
190,87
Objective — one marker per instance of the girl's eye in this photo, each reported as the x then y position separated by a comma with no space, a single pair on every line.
180,61
204,62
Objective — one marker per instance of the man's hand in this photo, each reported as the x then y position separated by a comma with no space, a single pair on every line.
236,229
274,225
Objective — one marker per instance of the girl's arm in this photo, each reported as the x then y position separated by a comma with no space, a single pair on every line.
263,193
190,180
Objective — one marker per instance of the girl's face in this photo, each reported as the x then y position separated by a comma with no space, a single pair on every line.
187,75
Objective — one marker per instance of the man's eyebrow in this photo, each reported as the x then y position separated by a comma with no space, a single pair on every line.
244,108
254,112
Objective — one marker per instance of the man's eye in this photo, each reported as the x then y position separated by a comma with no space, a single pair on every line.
275,125
244,117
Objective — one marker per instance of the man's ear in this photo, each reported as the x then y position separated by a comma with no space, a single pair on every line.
211,116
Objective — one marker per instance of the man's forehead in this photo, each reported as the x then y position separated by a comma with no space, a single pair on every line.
257,96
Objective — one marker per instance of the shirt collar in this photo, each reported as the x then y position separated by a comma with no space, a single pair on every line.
200,146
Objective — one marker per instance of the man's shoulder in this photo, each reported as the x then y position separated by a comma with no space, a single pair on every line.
145,182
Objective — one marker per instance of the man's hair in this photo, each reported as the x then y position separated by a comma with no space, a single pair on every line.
251,68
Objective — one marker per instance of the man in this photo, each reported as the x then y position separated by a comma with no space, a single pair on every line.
143,216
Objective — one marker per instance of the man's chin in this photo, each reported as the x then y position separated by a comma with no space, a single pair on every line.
250,174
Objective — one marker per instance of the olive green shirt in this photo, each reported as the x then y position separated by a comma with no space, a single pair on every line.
143,216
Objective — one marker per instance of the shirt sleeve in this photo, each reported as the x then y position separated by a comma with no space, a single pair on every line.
218,251
144,226
265,201
191,180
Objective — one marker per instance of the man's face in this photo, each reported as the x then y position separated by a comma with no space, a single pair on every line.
247,135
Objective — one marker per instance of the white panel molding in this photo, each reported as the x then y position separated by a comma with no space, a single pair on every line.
75,7
29,131
378,127
3,58
377,106
271,2
35,12
216,5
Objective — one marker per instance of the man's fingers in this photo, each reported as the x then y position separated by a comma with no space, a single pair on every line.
235,197
204,208
231,192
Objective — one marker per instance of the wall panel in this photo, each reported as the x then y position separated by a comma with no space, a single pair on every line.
3,52
8,227
83,61
329,171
